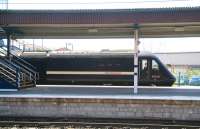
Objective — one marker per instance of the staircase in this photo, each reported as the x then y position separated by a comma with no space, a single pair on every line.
16,73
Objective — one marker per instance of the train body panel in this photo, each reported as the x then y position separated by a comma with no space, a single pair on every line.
109,69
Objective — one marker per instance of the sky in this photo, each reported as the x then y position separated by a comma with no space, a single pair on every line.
155,45
152,45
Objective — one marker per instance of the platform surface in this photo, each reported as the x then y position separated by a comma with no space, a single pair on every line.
111,92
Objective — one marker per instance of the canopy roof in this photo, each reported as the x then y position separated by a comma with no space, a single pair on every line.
110,23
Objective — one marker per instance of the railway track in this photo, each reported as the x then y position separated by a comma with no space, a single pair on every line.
96,123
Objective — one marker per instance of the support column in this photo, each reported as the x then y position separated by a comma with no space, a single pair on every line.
8,45
136,66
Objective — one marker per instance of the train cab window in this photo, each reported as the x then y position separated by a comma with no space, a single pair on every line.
144,64
155,70
144,69
155,65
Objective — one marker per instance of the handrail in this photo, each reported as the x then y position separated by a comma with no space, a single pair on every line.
26,63
21,70
10,63
8,74
24,68
8,66
2,52
13,77
11,74
22,64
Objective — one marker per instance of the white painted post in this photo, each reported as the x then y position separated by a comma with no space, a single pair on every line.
136,66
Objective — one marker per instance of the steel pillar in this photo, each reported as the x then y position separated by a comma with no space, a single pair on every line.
136,51
8,45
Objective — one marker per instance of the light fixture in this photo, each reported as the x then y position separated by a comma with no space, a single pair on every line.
179,29
92,30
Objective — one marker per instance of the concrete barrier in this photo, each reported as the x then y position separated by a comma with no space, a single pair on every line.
100,108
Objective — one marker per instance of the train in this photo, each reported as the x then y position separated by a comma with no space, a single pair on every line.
99,69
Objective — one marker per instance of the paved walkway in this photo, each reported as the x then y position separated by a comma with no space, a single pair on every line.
116,92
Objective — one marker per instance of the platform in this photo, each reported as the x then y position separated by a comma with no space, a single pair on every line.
102,102
117,92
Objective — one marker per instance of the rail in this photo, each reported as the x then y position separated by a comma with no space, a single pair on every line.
96,123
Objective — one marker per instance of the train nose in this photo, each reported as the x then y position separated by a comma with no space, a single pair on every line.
172,79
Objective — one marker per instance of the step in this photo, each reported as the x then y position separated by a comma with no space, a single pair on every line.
26,86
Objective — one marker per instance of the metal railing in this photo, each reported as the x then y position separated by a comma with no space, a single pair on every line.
9,73
24,74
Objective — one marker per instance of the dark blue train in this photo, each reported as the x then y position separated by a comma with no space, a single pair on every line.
99,68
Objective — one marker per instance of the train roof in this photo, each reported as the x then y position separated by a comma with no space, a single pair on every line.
72,54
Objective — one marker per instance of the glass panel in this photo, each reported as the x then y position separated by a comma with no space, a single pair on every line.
155,70
155,65
144,69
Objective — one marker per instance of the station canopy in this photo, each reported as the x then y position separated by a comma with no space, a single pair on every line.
101,23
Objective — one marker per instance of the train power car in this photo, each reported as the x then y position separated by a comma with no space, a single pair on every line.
99,68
